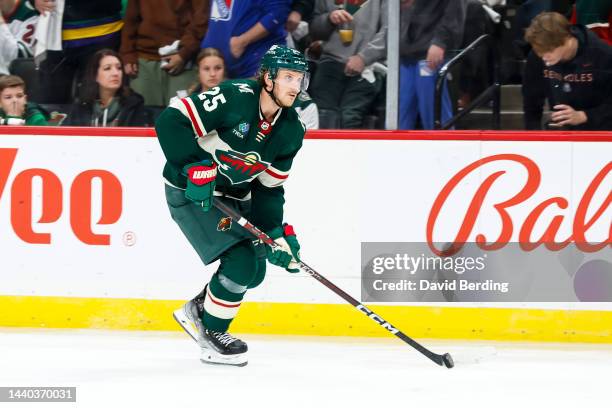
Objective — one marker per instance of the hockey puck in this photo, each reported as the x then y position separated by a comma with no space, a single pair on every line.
448,360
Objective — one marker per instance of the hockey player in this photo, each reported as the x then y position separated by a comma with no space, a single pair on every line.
236,141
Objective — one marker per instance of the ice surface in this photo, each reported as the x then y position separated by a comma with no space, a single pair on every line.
162,369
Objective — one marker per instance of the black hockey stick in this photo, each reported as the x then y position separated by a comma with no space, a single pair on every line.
440,359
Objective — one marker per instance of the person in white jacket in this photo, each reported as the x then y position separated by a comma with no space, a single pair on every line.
17,26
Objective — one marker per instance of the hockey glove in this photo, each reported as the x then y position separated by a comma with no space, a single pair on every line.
201,182
287,255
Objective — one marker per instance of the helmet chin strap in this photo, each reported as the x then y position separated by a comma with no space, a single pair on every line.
274,98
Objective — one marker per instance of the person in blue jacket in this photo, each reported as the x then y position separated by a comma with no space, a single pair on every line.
244,31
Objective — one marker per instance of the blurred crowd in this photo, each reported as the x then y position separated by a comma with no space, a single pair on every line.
121,62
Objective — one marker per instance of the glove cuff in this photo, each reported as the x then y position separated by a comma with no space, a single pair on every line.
285,230
288,230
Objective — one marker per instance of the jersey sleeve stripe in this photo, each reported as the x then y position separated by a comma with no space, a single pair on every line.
270,178
193,117
182,107
277,173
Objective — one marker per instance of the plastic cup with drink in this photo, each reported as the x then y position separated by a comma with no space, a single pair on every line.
346,32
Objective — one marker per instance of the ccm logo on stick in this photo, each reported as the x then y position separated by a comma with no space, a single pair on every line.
377,319
52,201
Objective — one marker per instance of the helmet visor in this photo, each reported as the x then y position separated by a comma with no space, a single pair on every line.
294,79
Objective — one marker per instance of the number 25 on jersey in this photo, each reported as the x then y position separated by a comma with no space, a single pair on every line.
212,104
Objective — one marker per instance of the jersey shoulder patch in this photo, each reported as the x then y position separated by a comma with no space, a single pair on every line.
239,93
241,86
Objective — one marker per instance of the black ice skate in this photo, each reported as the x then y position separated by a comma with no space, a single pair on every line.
223,348
216,347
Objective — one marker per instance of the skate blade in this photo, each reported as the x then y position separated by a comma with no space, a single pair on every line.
181,318
212,357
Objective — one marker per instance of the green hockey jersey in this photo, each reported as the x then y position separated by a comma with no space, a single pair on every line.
225,125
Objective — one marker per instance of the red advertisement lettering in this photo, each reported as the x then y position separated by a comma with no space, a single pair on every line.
81,208
21,204
80,205
549,238
7,157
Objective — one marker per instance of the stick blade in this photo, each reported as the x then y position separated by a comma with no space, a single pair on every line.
448,360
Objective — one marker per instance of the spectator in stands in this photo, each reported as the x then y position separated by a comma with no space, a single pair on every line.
297,37
429,30
244,31
572,68
14,106
178,26
86,27
106,99
526,12
301,10
297,24
211,70
355,38
17,25
307,109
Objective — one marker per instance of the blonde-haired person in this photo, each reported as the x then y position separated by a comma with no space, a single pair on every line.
211,70
572,68
14,106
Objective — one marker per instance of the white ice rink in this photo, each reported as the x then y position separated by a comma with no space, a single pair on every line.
158,369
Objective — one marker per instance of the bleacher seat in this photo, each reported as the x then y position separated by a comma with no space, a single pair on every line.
329,119
26,69
153,112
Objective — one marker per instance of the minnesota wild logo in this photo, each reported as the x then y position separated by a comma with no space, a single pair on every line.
240,167
225,223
